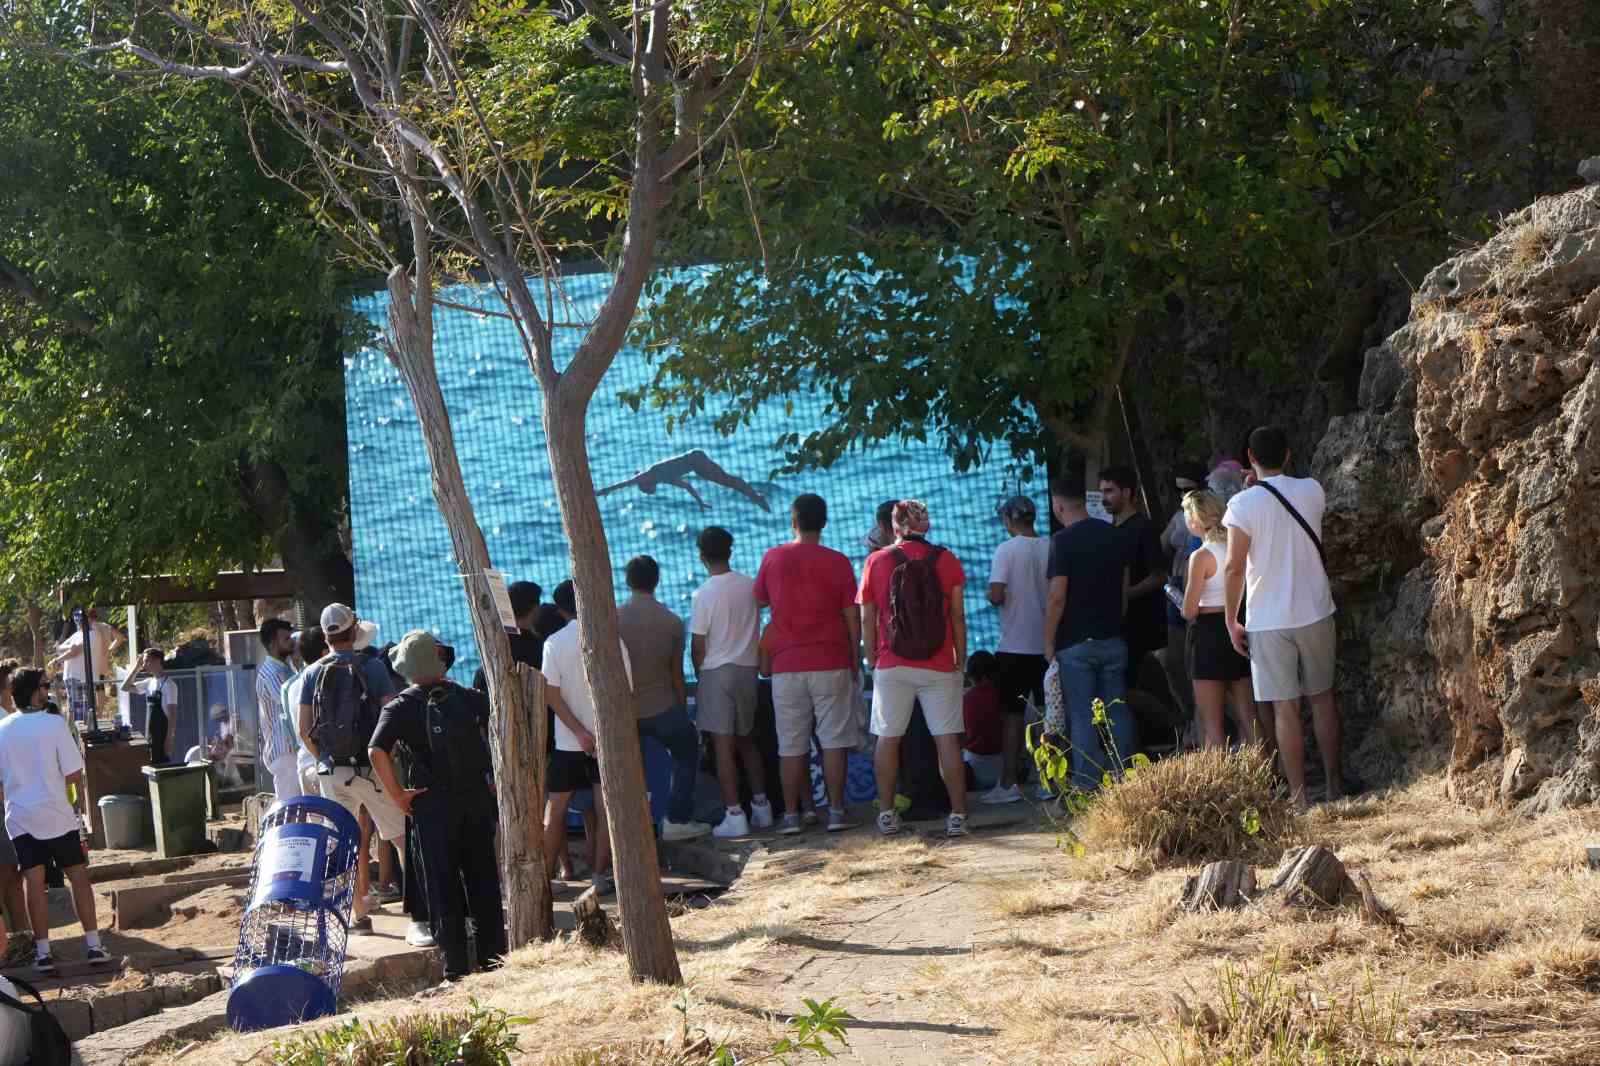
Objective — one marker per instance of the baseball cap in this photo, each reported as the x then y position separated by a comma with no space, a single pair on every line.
417,656
337,619
1018,507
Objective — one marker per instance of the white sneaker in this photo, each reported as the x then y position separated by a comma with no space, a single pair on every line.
1001,794
889,822
732,825
419,935
671,830
761,814
955,825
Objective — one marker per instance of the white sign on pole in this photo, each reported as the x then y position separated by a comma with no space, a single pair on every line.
502,599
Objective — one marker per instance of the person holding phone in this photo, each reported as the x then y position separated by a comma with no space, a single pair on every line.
160,693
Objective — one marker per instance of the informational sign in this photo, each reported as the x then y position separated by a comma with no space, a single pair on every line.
290,865
502,599
1096,505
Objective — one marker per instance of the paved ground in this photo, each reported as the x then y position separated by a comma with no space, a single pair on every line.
870,958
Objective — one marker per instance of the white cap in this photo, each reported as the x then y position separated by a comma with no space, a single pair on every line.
336,618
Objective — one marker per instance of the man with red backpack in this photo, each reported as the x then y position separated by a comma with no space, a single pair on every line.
915,630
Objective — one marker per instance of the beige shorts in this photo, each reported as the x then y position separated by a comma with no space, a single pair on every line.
1286,664
895,689
725,702
823,700
354,791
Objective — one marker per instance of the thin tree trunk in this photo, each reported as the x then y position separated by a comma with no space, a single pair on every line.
517,767
646,931
36,631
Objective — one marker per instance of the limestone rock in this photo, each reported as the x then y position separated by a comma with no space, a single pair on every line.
1464,524
1589,169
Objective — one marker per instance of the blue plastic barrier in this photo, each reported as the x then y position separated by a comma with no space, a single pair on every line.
291,952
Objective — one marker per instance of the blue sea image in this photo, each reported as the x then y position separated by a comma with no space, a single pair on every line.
406,573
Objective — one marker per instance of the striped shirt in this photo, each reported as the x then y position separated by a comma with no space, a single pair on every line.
275,739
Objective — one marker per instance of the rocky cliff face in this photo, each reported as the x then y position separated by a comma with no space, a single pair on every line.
1464,520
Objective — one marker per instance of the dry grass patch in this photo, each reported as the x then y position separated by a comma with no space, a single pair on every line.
1197,807
899,861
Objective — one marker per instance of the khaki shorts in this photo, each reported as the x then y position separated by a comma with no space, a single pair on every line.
819,699
895,689
1286,664
725,702
353,791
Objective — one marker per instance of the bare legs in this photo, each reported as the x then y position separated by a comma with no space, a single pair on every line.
730,752
555,832
886,768
1292,744
1208,702
1011,747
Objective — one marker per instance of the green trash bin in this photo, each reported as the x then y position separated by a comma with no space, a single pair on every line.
178,801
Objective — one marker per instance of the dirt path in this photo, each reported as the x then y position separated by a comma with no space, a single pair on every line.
872,956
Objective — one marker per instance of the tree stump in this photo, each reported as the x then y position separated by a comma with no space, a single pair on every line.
594,924
1221,885
1313,876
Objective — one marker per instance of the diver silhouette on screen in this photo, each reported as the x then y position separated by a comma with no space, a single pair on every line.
673,472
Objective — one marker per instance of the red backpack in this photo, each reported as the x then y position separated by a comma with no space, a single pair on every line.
918,617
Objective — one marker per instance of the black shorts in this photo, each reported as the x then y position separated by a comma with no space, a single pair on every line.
1209,653
572,771
1019,676
66,851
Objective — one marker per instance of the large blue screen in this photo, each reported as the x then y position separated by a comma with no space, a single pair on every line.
406,575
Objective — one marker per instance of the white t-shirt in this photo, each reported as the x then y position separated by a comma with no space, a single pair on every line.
1020,564
563,668
1285,584
99,648
36,755
725,612
167,687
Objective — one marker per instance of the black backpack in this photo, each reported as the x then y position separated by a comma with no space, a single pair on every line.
458,757
342,714
918,616
48,1043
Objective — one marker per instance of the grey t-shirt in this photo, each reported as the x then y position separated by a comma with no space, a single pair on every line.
654,636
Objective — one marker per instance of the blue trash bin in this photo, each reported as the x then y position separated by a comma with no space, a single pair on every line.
290,957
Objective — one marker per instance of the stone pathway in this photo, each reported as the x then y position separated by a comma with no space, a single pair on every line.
870,958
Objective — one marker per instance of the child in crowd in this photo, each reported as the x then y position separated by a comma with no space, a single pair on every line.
980,707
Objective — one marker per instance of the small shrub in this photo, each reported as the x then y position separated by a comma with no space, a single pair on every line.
1199,807
476,1037
1256,1018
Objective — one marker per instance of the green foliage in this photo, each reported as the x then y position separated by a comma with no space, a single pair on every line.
170,320
953,218
813,1034
476,1037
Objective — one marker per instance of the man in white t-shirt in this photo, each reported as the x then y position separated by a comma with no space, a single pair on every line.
160,693
38,760
573,766
1275,565
724,638
1018,586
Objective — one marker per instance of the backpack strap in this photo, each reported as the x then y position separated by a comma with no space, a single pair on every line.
1287,506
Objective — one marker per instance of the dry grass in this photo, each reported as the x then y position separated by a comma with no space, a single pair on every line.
1496,959
1202,806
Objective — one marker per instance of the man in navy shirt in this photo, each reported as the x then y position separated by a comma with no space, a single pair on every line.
1083,631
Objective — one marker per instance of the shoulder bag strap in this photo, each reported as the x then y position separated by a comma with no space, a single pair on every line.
1287,506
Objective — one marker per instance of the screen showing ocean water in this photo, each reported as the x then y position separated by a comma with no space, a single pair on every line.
406,575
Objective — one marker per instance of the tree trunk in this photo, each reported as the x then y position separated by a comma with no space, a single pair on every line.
36,631
646,931
1313,876
1219,886
308,544
245,611
228,616
517,767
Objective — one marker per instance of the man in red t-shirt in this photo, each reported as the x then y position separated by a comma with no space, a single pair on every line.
899,683
815,644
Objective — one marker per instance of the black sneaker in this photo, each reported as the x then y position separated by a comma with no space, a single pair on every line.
45,964
98,955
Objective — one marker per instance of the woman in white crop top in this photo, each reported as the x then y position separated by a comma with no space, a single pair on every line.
1215,668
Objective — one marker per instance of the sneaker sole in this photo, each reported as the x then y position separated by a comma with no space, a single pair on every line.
845,828
790,831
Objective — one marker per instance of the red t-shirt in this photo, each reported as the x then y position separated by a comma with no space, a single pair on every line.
809,588
980,710
875,577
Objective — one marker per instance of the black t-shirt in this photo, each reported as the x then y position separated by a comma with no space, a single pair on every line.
1091,555
402,723
1146,621
527,648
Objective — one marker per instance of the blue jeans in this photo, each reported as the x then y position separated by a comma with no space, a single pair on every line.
1090,670
674,731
